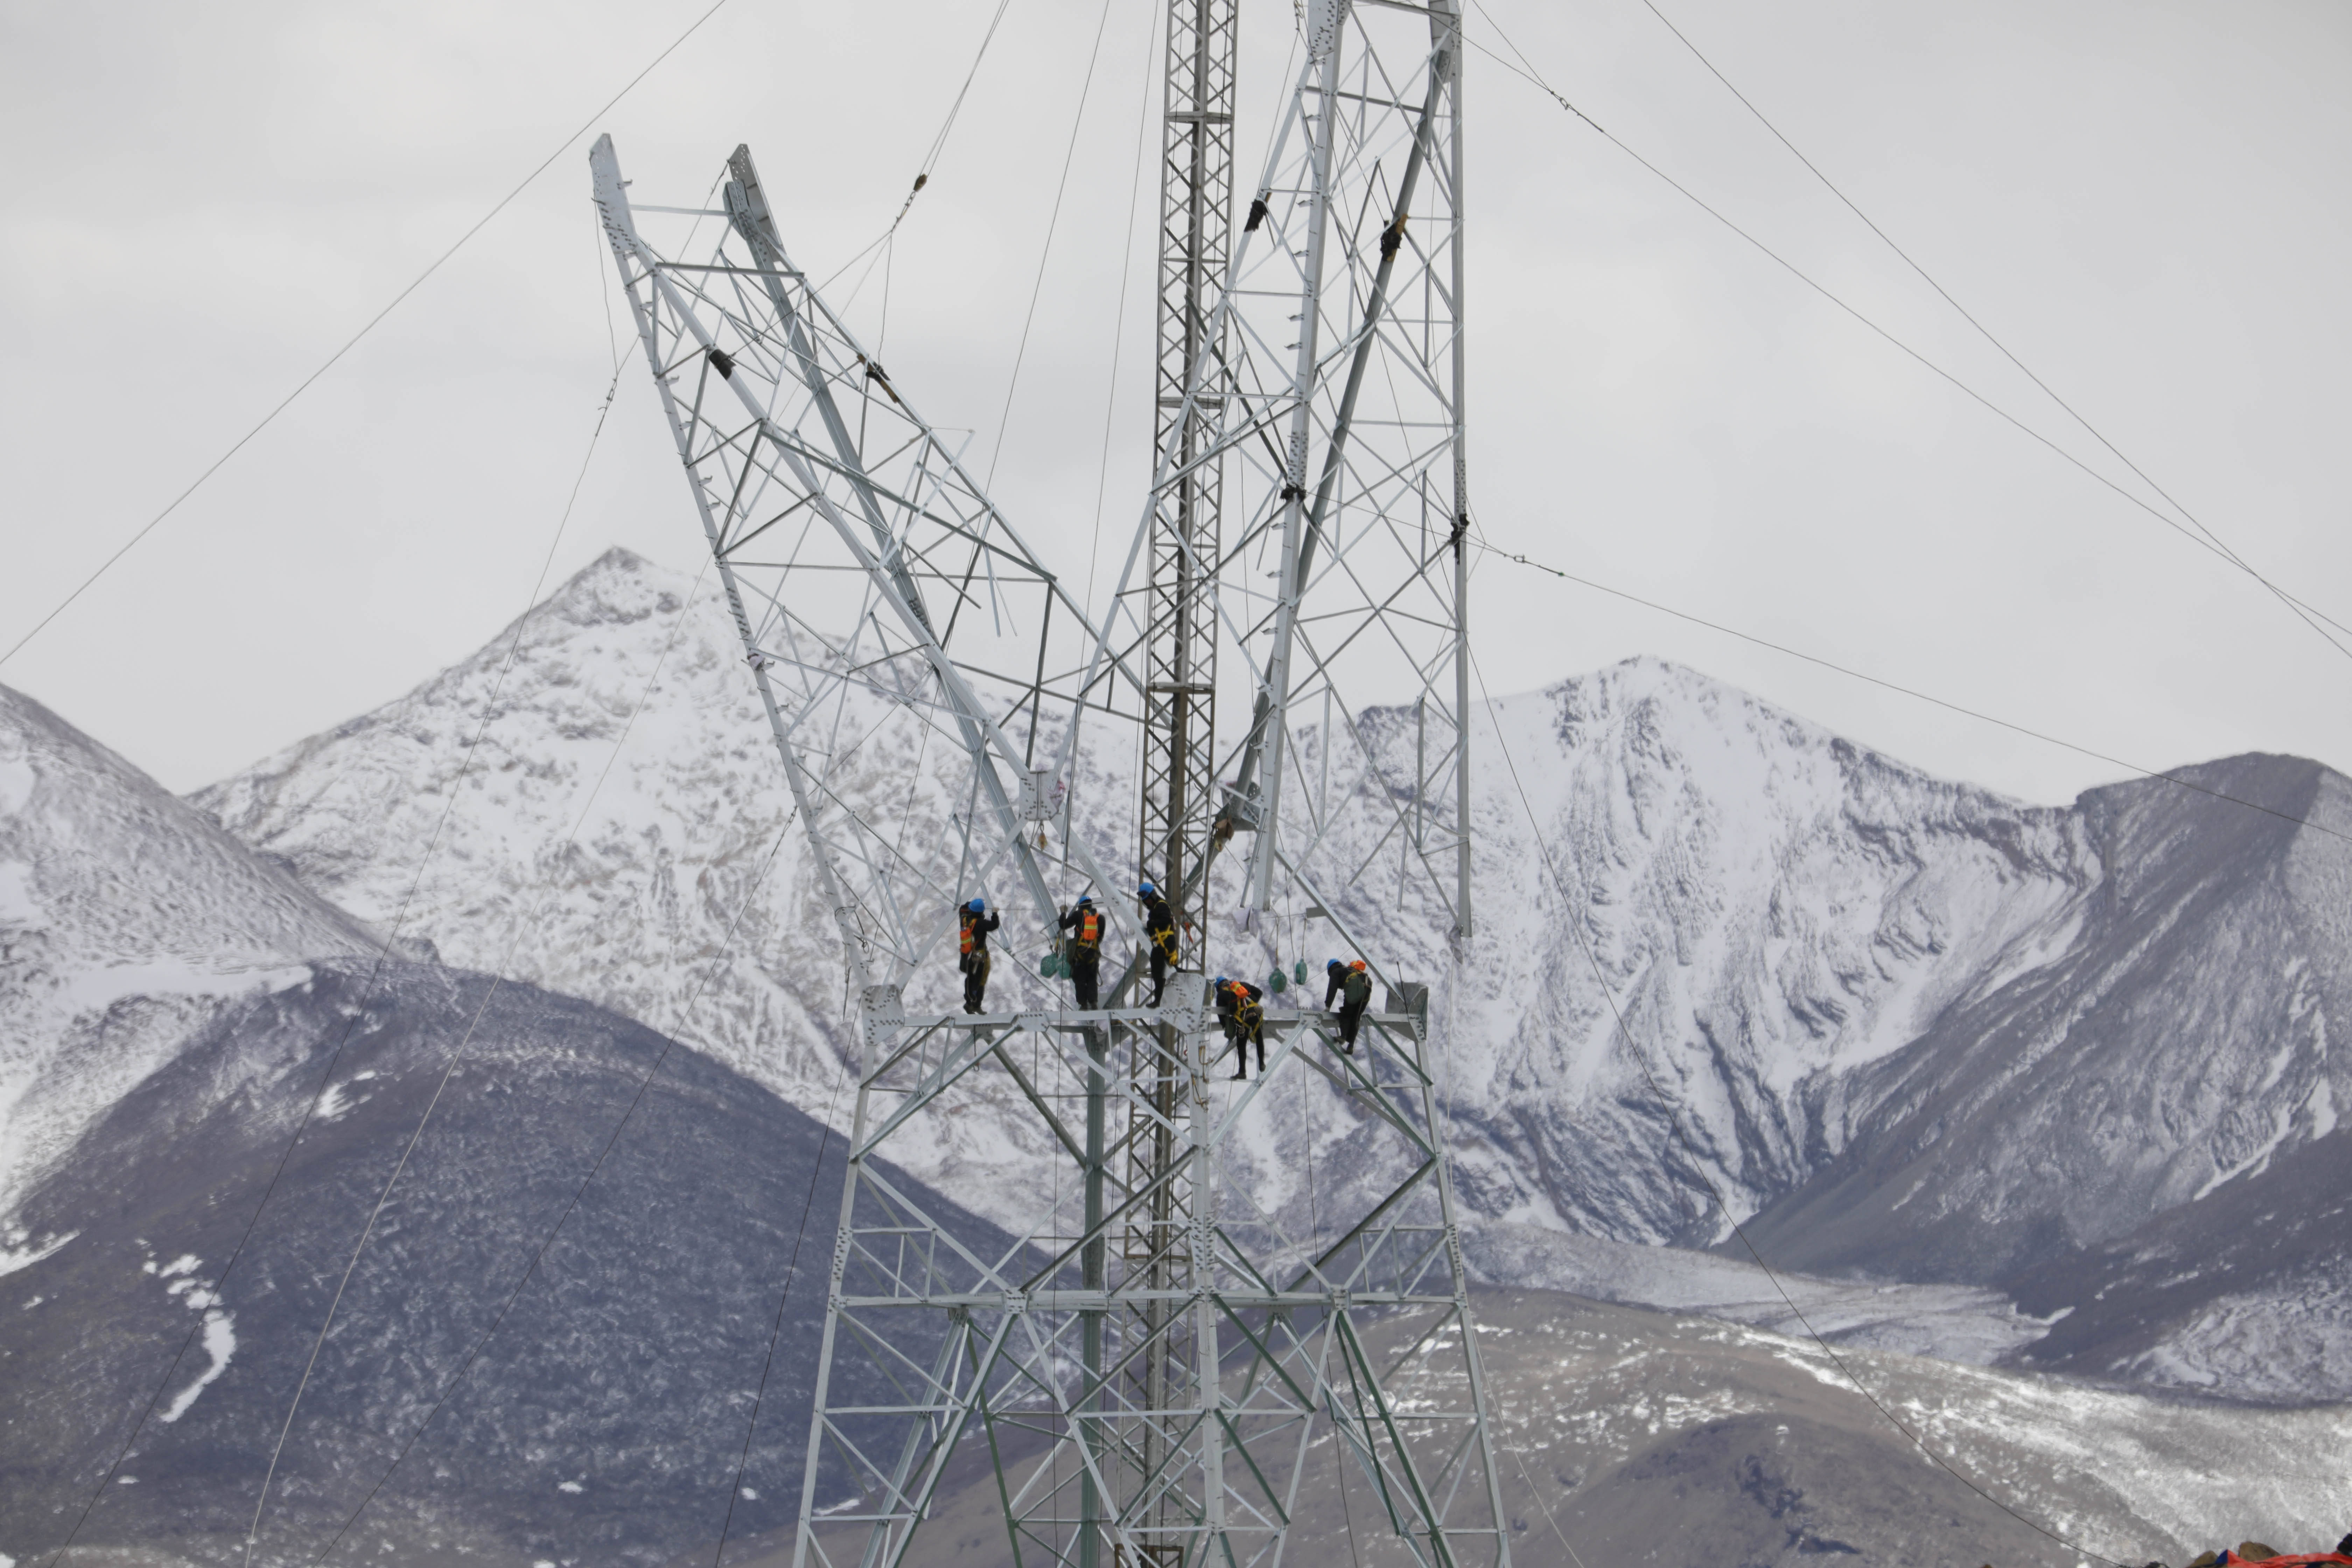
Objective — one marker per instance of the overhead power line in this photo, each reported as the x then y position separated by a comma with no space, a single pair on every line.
1913,692
457,1058
2309,615
539,1255
1970,316
467,757
352,342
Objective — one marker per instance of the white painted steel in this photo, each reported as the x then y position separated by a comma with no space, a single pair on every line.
894,619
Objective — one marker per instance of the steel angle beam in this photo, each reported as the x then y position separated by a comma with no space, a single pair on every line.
778,409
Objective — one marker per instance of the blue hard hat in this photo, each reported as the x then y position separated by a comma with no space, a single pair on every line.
977,906
1147,888
1086,898
1335,963
1221,980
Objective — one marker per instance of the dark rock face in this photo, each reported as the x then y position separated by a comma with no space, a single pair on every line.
602,1421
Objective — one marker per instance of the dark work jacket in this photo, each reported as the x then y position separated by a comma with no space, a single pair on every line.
980,926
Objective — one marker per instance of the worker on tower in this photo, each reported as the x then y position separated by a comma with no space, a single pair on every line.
974,923
1351,985
1160,931
1240,1009
1084,950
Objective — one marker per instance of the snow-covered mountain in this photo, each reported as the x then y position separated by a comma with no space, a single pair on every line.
1813,906
126,919
207,1062
1718,947
609,1405
1828,923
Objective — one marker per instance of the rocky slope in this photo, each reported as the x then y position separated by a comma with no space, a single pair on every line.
606,1412
126,920
1629,1435
202,1045
1769,906
1720,951
609,1404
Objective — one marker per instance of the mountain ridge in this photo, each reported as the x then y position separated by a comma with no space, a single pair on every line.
1733,953
126,919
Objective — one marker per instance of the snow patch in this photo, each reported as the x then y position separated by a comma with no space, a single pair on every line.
100,988
15,783
1953,1322
19,908
23,1255
2322,1106
220,1343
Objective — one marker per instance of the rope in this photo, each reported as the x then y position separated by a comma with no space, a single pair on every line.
1698,1165
1522,1464
669,1043
939,142
1456,950
1119,328
1053,221
367,992
1967,315
1944,704
792,1276
352,342
455,1059
2310,616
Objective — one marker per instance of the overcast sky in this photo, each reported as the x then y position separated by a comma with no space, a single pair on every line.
2150,201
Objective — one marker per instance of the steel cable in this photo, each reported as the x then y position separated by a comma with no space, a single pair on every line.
1968,316
2310,616
669,1043
456,1058
1053,221
1916,695
352,342
375,972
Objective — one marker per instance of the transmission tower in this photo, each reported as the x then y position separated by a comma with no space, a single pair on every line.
1196,197
1147,1367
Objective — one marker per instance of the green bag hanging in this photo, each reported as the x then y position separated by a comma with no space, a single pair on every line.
1276,983
1298,971
1052,966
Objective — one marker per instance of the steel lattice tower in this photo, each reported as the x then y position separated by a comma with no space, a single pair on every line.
1196,197
1147,1367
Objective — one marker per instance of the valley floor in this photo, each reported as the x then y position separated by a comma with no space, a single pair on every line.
1635,1436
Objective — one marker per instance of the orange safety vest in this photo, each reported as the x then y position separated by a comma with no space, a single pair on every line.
964,931
1090,927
